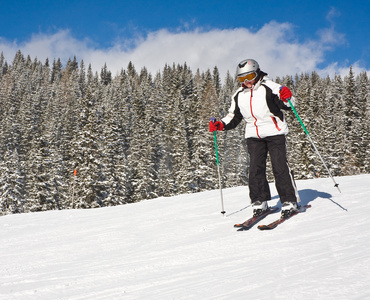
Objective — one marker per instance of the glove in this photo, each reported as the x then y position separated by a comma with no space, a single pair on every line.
216,125
285,93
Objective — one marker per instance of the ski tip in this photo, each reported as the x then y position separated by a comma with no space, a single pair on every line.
265,227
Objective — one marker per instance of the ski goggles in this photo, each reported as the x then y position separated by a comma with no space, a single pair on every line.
247,77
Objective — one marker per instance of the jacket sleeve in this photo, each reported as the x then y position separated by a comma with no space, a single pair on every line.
234,117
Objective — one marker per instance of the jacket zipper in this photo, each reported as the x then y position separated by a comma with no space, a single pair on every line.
255,122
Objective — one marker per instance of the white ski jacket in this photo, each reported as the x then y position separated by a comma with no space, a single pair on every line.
260,107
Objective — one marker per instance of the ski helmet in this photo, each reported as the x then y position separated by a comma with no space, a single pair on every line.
247,66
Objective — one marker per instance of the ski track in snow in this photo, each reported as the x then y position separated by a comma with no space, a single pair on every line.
182,247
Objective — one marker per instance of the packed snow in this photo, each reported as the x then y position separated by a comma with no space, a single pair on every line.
182,247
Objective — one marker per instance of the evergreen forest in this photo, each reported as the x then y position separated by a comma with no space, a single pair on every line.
74,138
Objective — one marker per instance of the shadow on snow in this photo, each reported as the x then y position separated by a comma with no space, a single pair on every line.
309,195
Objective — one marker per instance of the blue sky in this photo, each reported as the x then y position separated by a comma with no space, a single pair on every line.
286,37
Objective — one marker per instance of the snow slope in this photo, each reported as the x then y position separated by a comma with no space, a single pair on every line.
183,248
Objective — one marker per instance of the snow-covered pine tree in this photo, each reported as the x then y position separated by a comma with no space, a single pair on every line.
138,141
174,146
180,153
204,149
363,90
86,152
320,126
302,157
12,198
114,162
361,128
351,115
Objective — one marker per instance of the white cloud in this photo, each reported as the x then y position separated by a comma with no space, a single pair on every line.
274,46
342,70
332,14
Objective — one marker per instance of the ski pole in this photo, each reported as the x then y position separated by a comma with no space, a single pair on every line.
218,169
313,145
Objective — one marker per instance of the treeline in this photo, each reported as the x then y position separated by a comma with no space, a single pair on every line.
135,136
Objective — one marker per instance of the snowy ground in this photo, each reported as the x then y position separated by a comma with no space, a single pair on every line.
184,248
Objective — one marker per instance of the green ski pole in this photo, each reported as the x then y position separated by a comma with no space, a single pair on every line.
218,169
313,145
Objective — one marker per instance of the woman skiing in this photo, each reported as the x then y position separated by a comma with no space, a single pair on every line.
260,101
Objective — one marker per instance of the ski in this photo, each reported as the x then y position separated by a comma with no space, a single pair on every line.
248,224
282,220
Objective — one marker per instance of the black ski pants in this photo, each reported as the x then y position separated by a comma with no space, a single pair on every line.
258,185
